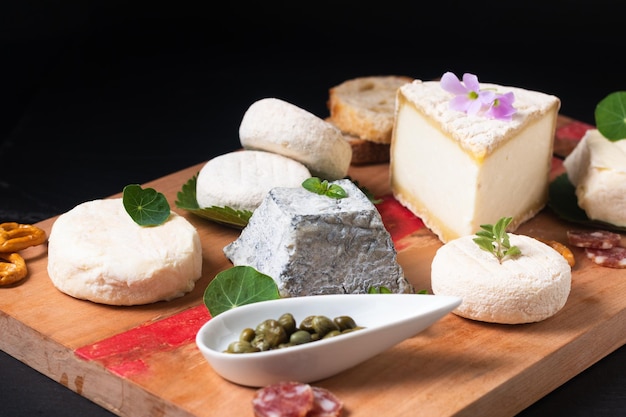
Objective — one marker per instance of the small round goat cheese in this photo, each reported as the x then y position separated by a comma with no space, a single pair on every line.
241,179
97,252
524,289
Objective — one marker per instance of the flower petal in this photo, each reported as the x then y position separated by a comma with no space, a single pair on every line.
460,103
471,82
451,84
475,107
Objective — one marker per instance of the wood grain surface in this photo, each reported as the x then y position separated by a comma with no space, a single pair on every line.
143,361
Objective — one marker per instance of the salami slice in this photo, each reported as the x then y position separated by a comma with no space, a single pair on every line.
325,404
600,239
283,399
612,258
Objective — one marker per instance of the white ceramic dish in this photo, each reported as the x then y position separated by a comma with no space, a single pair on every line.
388,319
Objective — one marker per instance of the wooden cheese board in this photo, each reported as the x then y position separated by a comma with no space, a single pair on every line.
142,360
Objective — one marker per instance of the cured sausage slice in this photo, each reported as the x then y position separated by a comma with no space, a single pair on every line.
325,404
613,257
283,399
601,239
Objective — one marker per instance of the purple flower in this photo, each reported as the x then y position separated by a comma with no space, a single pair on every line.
502,107
469,99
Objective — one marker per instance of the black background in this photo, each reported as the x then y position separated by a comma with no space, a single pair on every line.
99,94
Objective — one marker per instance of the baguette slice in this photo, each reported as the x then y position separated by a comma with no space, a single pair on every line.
364,107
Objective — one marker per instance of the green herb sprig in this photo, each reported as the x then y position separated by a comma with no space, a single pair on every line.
495,240
323,187
146,206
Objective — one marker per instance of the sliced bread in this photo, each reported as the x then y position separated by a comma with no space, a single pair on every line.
364,107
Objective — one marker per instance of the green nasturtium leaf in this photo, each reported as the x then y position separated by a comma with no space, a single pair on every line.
610,116
564,203
146,207
186,200
238,286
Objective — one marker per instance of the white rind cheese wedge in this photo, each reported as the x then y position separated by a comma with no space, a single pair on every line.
457,171
527,288
97,252
241,179
597,168
312,244
274,125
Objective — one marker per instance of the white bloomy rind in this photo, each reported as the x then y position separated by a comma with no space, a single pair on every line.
274,125
597,168
241,179
527,288
97,252
457,171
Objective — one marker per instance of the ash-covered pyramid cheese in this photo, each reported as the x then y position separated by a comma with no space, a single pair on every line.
457,171
313,244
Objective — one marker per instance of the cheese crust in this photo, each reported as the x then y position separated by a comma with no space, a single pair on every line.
97,252
311,244
527,288
457,172
597,168
274,125
241,179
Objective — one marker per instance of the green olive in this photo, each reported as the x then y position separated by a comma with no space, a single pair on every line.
299,337
323,325
241,347
332,333
284,332
247,335
307,324
345,322
269,334
288,322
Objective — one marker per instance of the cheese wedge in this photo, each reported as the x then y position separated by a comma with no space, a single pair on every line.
597,168
527,288
457,171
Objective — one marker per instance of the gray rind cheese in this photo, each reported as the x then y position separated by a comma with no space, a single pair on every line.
312,244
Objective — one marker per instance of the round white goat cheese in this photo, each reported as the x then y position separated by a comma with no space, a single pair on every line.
97,252
597,168
526,288
274,125
240,180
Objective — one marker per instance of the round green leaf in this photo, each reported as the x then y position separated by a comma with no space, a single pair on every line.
146,207
610,116
237,286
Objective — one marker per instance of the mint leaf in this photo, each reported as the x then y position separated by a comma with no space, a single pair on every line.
238,286
610,115
317,186
146,207
186,200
